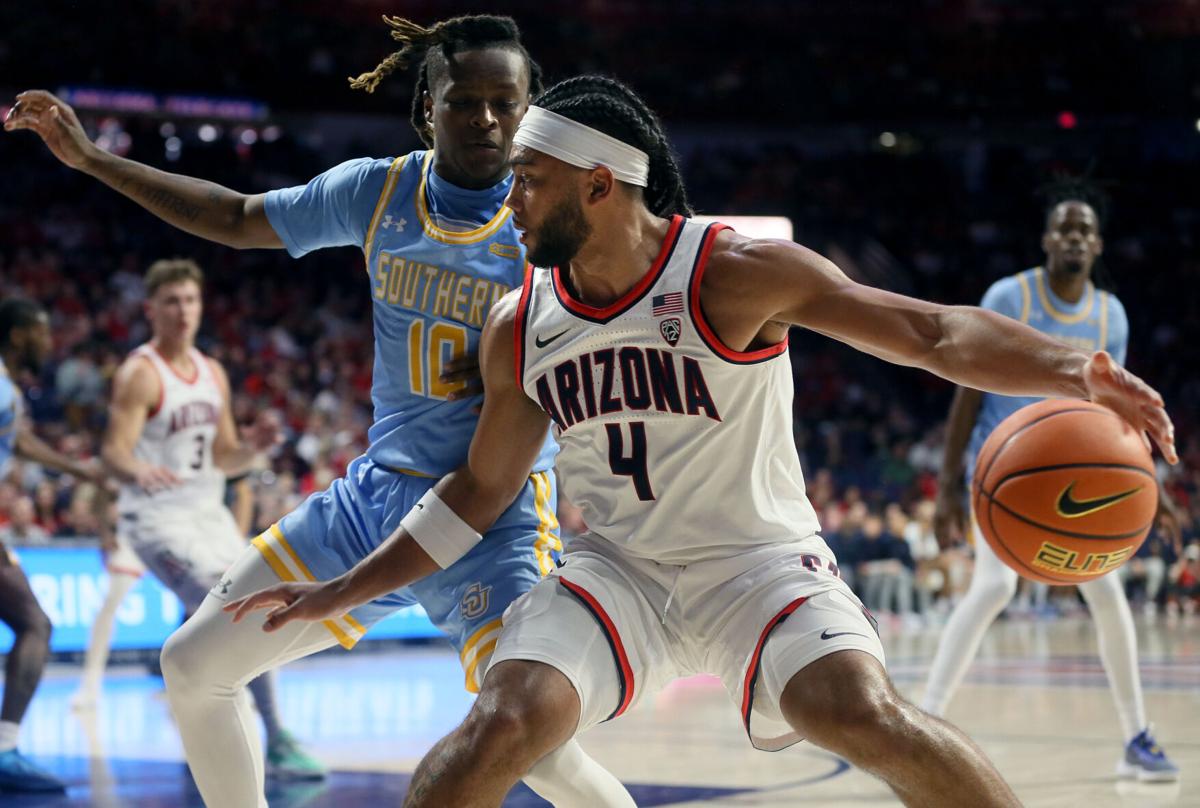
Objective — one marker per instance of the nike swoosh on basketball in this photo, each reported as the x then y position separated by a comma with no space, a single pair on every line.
1070,508
542,343
825,635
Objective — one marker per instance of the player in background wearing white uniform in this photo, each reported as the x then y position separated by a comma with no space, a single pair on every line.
657,348
25,342
1060,300
172,441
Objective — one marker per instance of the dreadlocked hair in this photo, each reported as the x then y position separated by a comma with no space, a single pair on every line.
611,107
435,46
1091,192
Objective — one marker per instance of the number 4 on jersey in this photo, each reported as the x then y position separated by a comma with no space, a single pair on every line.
633,466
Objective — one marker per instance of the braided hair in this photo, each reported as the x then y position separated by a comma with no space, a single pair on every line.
433,47
611,107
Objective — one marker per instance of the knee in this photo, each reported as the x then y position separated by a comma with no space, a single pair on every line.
857,725
995,592
33,624
183,662
518,723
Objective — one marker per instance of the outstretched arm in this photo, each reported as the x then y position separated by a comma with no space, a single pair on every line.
753,289
507,441
196,206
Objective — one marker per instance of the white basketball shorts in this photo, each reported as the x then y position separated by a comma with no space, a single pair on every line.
754,620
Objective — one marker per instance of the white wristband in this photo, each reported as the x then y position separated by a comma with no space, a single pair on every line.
439,530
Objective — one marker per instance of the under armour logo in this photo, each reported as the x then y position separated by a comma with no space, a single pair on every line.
224,585
388,222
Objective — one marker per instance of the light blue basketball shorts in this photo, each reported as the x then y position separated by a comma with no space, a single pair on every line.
336,528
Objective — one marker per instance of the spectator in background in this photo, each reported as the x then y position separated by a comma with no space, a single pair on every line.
22,529
1184,589
1146,572
884,567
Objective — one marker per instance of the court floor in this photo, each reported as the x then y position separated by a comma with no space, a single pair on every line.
1036,700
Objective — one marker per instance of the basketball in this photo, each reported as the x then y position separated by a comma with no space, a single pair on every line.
1064,491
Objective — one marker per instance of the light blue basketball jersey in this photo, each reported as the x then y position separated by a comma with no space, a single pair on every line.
10,414
435,272
1096,322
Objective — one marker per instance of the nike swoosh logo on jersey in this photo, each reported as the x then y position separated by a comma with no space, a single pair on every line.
1070,508
542,343
825,635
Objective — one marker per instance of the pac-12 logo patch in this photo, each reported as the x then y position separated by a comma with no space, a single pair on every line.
475,600
670,329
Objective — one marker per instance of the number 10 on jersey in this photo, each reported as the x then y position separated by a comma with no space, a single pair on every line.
426,359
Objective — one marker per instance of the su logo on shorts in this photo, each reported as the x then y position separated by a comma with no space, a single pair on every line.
475,600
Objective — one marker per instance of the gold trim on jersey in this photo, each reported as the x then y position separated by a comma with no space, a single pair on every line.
1026,297
446,236
477,649
385,196
1103,346
1062,316
546,542
288,566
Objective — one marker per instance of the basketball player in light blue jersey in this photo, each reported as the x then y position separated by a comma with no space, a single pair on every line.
25,343
440,250
1059,299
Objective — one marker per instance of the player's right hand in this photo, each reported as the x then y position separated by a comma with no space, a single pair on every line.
55,122
949,518
308,601
156,478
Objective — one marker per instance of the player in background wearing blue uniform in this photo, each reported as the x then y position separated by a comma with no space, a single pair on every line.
440,250
1061,300
25,342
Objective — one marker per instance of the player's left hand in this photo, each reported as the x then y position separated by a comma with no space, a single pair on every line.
463,370
1138,403
266,432
288,602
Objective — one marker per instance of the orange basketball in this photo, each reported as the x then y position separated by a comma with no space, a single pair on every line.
1064,491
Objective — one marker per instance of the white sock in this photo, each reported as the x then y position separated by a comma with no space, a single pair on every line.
992,586
1118,649
568,778
9,733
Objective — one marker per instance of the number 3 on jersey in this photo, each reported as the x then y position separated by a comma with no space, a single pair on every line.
633,466
426,360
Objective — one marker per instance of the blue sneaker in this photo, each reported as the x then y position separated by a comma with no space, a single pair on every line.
18,773
1146,762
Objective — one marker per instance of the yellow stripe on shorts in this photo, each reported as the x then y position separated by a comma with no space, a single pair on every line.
288,566
477,648
546,542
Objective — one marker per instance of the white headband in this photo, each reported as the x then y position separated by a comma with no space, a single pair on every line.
582,146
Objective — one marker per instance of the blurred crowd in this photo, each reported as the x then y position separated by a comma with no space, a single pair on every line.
939,203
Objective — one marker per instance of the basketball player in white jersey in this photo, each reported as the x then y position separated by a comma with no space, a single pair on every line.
172,441
657,349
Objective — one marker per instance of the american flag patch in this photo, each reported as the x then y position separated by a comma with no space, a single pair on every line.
670,303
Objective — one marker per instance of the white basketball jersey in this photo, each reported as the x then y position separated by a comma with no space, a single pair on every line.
676,447
179,436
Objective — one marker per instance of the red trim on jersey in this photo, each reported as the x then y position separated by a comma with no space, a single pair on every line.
624,669
755,658
633,295
126,571
162,385
706,331
170,367
519,326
